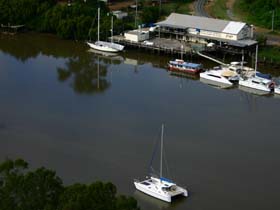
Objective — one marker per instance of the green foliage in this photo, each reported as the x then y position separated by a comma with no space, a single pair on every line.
260,12
270,53
70,22
21,189
261,39
150,14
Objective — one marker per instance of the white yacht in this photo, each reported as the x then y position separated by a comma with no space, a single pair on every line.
257,82
160,187
102,45
225,77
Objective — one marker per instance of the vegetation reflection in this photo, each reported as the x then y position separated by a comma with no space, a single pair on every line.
86,73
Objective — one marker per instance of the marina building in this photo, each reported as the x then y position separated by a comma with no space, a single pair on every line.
206,30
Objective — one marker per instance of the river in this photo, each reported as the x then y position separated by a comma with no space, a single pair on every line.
95,117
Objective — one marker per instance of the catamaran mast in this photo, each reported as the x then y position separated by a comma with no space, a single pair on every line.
161,149
98,17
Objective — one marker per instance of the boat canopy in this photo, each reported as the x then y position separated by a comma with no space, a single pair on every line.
265,76
228,73
165,179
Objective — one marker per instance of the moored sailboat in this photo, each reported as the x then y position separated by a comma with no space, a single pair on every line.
102,45
160,187
257,82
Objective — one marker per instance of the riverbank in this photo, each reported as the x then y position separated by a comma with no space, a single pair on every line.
231,10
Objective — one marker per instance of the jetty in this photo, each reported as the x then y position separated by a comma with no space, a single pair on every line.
160,45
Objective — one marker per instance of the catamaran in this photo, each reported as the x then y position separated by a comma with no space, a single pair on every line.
102,45
160,187
257,82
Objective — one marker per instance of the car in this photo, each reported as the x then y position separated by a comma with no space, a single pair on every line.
148,43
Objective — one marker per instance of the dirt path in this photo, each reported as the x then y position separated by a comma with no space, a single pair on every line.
118,5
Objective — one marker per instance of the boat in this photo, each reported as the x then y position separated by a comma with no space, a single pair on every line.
160,187
183,66
277,89
225,77
102,45
256,81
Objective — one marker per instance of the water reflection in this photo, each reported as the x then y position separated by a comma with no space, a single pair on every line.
86,73
30,45
215,84
153,203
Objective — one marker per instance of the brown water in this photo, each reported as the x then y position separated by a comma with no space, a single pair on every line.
59,110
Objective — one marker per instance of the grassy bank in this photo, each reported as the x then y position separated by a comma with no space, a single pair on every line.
176,6
218,9
270,54
258,12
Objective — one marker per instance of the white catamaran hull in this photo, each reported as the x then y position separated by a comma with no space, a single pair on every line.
157,192
249,84
145,190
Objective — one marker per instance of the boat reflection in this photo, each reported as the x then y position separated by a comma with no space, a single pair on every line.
112,56
254,91
184,75
215,84
156,203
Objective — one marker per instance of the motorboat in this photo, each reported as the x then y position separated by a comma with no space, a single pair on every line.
160,187
226,77
183,66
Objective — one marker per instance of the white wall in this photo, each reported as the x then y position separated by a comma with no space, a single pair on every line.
213,34
136,37
245,33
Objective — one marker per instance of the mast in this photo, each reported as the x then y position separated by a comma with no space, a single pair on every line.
112,27
161,149
98,17
242,62
256,60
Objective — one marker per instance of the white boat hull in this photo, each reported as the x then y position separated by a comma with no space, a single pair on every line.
156,191
277,90
101,48
106,46
220,80
145,190
249,84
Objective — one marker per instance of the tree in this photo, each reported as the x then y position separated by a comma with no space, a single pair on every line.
41,189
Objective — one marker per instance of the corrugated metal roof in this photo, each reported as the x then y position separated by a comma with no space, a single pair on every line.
202,23
233,27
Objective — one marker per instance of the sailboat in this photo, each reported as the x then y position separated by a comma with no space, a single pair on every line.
256,82
160,187
102,45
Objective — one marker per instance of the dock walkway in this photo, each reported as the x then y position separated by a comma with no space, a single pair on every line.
160,45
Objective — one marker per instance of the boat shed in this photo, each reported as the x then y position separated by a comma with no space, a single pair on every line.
205,30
